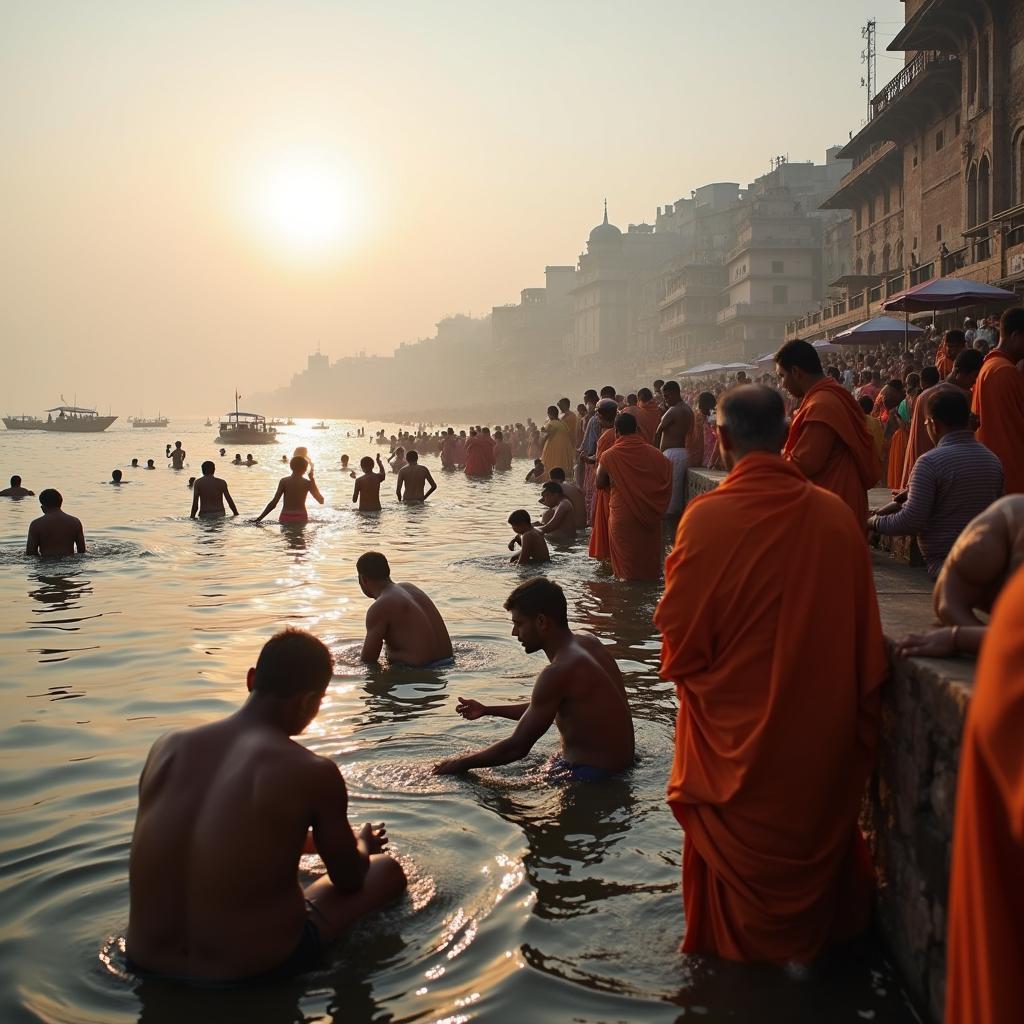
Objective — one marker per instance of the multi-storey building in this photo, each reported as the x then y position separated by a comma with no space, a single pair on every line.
937,183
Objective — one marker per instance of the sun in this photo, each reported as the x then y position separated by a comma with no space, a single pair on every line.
306,207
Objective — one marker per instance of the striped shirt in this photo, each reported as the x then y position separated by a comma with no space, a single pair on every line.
957,480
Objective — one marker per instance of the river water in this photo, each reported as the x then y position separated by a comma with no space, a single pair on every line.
529,901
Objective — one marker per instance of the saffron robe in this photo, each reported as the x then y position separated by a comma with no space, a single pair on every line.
778,716
999,406
559,449
571,421
985,937
897,453
599,518
640,493
648,416
479,456
830,443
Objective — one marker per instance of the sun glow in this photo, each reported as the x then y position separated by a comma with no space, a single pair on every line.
307,208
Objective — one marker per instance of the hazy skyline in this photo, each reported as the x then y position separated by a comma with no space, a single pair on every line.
195,195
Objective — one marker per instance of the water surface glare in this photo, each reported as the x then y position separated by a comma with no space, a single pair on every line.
528,901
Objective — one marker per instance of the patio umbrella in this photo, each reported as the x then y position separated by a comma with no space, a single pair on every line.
739,366
876,330
701,368
947,293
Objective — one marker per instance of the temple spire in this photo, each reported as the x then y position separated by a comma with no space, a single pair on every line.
605,211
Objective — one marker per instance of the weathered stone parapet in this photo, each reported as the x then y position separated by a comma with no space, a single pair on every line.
908,808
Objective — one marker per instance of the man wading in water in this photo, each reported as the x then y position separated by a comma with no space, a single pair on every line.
225,811
581,691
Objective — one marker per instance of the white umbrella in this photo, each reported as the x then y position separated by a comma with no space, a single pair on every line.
702,368
877,329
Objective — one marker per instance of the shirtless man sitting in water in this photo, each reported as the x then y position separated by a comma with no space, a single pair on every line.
402,618
209,493
55,533
224,814
581,691
294,489
412,476
532,545
559,520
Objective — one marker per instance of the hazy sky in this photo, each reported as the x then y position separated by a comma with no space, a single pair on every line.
194,194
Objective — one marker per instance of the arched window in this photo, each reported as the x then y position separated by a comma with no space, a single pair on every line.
899,254
972,79
972,196
984,191
886,256
983,72
871,263
1017,168
860,266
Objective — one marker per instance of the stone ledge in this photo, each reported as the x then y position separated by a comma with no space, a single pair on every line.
908,807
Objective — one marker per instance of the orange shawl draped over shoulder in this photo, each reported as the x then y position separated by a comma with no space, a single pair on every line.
479,456
999,406
986,901
830,443
648,416
640,492
599,531
778,716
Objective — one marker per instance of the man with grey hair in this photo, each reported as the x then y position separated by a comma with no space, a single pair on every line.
778,717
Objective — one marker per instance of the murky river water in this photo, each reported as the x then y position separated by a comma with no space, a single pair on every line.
528,901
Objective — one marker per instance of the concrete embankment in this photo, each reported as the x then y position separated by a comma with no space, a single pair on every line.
908,806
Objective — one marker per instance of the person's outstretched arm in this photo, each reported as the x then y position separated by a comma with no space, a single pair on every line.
270,508
433,486
314,490
230,501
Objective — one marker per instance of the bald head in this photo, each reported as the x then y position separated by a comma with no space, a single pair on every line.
607,408
752,418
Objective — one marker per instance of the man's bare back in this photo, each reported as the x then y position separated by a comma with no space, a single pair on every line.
412,478
208,496
581,691
579,503
532,548
408,624
55,534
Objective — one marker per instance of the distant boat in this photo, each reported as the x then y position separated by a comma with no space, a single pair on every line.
244,428
290,423
71,419
209,422
23,423
157,421
321,426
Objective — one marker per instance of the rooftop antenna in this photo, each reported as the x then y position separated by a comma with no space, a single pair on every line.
869,56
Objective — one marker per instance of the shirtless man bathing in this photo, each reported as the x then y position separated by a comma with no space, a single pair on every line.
401,618
225,812
209,493
55,533
581,691
412,476
294,489
671,437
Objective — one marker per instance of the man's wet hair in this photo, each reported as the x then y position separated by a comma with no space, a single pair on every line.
366,463
557,474
208,467
116,474
625,423
645,394
867,404
670,386
754,416
15,481
412,455
372,565
298,464
519,516
801,355
539,596
51,498
552,487
930,374
950,408
968,361
292,662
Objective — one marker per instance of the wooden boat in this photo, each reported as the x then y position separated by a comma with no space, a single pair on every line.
321,426
23,423
157,421
71,419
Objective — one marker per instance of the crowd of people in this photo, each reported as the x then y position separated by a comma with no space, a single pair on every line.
778,719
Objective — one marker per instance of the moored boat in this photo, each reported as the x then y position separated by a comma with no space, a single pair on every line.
140,421
321,426
23,423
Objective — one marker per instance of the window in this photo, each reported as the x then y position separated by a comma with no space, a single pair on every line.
983,72
777,266
871,210
887,201
938,232
915,154
780,294
1017,168
956,125
972,196
972,79
938,141
858,218
984,209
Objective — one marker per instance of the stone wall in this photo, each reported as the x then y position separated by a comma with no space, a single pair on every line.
908,807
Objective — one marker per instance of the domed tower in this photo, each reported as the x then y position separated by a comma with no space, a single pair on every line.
605,237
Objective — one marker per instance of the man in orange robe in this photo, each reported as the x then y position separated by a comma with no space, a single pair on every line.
479,455
984,984
778,717
599,526
965,373
640,481
999,400
953,343
828,439
647,414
